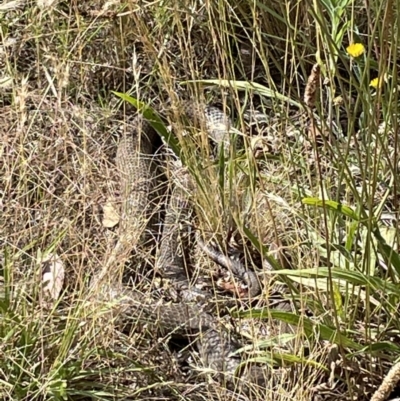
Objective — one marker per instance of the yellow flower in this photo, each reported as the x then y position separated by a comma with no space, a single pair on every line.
376,83
355,49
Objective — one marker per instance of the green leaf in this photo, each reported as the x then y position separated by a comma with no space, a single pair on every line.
351,235
377,348
272,341
332,205
155,121
247,86
337,298
391,255
262,249
339,36
290,358
353,277
369,246
310,327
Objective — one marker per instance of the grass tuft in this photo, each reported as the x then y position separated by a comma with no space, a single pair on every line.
308,193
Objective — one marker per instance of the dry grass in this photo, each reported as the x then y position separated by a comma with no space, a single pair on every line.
60,125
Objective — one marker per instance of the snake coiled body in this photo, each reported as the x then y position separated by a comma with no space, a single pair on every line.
215,344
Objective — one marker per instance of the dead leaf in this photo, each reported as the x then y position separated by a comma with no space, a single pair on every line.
110,214
53,276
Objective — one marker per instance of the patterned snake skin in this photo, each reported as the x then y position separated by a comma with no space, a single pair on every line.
216,345
134,160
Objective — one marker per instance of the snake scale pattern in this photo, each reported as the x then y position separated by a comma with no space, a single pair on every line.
215,344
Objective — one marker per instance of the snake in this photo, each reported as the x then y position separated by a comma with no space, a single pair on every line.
134,159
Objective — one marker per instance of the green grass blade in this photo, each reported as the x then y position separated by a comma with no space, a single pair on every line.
352,277
155,121
387,251
310,327
332,205
248,86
